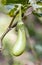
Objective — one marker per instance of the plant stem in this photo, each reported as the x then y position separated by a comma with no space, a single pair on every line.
7,30
13,18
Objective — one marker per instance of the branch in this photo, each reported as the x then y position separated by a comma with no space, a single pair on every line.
7,30
13,18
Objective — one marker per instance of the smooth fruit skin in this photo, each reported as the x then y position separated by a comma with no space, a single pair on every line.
20,44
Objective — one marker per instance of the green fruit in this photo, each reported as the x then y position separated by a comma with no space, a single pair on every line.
20,44
10,38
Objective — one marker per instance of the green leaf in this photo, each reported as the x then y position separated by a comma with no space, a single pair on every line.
17,1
